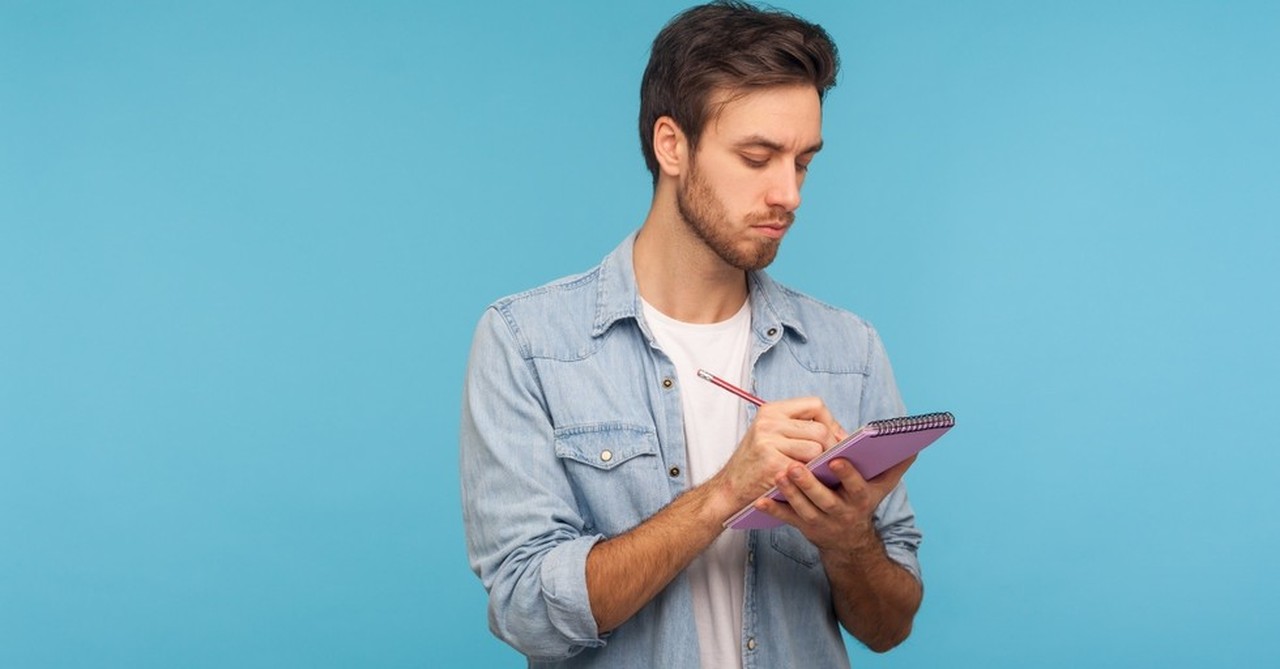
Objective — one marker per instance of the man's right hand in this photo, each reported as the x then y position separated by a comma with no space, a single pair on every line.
784,432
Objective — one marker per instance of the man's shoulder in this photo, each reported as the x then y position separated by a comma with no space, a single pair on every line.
577,305
555,319
809,311
580,286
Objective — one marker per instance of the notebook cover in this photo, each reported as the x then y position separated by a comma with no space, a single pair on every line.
870,450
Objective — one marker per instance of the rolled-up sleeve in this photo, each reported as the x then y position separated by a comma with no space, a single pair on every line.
525,535
896,524
895,519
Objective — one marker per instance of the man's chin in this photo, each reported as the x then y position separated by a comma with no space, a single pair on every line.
757,258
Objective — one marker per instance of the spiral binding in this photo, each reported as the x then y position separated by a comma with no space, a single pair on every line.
927,421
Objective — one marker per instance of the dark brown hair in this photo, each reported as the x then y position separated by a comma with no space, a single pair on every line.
727,46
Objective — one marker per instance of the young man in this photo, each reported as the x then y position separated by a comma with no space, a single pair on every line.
597,470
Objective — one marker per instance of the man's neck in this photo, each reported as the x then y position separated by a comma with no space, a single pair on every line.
680,276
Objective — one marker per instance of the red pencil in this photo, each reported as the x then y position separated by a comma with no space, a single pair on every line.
704,374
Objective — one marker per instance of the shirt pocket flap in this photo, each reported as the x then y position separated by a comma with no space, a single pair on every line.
605,445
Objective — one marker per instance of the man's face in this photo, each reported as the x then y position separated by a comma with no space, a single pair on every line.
742,187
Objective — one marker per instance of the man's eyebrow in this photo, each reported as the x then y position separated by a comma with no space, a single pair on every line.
766,143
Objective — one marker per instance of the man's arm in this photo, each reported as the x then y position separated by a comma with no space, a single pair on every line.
875,598
625,572
525,538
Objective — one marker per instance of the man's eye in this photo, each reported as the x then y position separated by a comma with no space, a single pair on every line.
802,167
755,162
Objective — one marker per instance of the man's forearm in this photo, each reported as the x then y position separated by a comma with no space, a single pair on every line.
875,598
627,571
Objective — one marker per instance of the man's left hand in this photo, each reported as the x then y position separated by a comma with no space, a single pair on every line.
838,519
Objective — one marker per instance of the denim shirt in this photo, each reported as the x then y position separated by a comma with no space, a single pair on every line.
572,432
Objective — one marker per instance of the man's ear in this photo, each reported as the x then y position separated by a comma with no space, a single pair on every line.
670,146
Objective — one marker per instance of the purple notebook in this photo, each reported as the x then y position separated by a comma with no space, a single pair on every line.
872,449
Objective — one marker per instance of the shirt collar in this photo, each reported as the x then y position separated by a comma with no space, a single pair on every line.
772,306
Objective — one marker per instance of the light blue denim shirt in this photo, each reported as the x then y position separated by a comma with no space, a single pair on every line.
572,432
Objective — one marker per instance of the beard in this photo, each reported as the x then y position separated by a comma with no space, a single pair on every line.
705,215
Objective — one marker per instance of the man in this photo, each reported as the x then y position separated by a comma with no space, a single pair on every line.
597,470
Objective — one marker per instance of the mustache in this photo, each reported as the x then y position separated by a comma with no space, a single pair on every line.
776,215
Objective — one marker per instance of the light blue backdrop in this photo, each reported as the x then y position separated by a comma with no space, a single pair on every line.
243,246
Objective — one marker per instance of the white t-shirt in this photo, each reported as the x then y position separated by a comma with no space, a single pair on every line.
714,423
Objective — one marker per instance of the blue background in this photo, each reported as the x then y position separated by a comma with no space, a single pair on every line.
243,247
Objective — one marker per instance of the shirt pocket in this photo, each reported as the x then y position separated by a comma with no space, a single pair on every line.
791,543
615,470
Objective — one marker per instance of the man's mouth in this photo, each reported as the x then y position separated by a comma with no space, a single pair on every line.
773,230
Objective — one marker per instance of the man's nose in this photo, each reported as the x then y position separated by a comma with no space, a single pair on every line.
784,189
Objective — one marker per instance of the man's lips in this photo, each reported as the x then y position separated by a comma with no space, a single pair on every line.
772,230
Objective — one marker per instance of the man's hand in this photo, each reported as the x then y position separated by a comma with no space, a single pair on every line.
838,519
785,433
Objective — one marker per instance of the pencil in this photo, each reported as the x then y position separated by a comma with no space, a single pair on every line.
704,374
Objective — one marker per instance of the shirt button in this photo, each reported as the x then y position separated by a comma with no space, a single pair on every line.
772,332
606,455
674,472
667,383
751,557
751,643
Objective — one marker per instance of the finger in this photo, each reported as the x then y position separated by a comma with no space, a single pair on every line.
777,420
780,510
862,491
800,440
811,409
821,415
774,427
808,496
798,407
852,486
801,428
850,478
800,450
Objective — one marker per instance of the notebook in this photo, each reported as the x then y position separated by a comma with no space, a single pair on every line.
871,449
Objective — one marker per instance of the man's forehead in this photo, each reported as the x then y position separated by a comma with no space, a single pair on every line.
777,118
